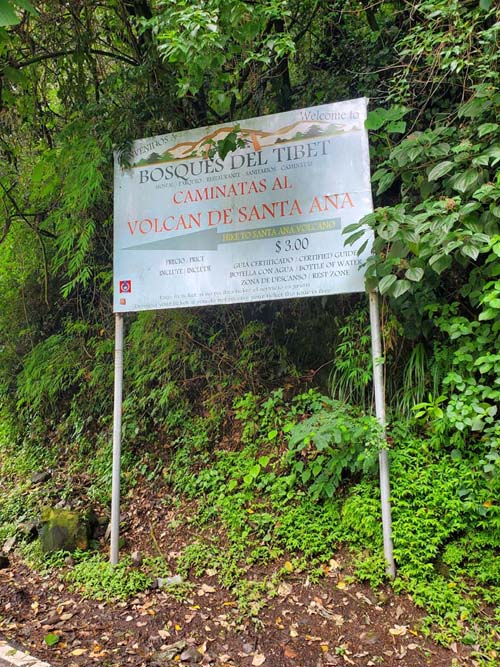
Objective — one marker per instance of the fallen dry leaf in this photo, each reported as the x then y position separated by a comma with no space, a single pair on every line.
362,596
258,659
284,589
205,589
66,617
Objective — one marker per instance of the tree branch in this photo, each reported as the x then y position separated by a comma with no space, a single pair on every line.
70,52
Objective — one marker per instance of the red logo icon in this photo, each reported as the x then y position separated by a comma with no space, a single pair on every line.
125,286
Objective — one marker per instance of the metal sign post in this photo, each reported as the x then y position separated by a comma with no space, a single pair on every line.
383,459
117,434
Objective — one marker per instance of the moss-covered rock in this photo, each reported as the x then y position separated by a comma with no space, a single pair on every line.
64,530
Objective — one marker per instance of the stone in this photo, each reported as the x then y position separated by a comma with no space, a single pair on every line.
165,582
62,505
52,619
63,530
40,477
248,648
9,544
29,530
191,654
169,652
136,558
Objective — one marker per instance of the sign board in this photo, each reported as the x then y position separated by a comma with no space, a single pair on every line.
246,211
265,221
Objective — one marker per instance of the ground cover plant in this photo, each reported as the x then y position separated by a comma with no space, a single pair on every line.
258,521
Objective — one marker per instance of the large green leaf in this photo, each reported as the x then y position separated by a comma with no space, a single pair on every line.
470,251
376,119
386,283
474,107
465,181
385,182
487,128
493,152
7,14
400,288
397,127
415,273
440,170
24,4
440,262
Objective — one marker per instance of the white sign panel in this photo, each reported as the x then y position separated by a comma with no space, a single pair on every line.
265,221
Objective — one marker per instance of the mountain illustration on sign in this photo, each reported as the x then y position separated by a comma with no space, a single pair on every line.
256,139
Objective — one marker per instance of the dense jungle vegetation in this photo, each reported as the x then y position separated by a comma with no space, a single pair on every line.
265,407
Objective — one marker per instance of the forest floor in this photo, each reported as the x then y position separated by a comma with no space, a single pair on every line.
336,621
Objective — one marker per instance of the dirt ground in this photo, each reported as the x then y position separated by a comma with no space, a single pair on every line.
334,622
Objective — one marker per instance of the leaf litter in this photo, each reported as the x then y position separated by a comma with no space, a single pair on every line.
336,621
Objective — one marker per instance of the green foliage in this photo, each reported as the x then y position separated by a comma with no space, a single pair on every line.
389,119
435,251
100,468
371,567
351,376
94,577
18,460
309,528
444,514
447,60
51,639
52,368
200,39
332,443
